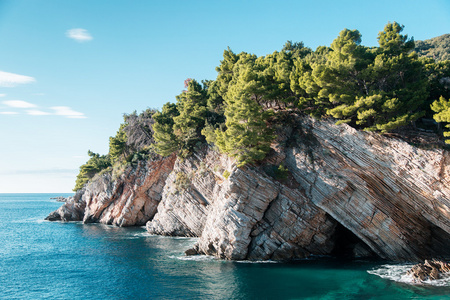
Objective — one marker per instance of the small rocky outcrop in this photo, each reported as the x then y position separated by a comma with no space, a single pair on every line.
71,210
429,270
62,199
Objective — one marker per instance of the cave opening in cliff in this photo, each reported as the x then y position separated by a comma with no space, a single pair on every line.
347,245
440,242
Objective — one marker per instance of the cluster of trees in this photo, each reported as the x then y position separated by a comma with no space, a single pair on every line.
371,88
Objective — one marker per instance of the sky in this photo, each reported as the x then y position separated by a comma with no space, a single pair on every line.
69,70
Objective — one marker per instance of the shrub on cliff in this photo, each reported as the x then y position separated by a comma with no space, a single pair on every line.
442,109
94,165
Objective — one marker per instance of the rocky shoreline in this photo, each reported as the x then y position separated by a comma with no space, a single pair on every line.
429,270
343,193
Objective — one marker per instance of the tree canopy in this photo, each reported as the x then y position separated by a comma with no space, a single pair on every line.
370,88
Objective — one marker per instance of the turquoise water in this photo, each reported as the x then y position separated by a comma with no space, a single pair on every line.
52,260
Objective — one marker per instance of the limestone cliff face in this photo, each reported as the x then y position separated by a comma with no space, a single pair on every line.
391,195
247,215
344,191
130,199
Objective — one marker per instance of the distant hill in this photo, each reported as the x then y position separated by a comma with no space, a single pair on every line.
437,48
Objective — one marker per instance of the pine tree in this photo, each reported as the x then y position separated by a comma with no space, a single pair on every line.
190,121
165,140
247,136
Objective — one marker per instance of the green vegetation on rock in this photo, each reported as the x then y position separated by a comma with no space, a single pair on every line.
94,165
370,88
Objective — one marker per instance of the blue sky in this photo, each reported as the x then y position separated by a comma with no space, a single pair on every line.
70,69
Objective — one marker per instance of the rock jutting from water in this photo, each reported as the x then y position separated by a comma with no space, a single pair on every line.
429,270
340,192
62,199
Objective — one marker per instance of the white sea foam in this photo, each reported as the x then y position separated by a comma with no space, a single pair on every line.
256,261
398,273
194,258
168,237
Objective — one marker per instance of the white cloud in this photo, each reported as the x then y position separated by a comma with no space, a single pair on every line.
79,35
68,112
2,95
18,104
11,79
35,112
8,113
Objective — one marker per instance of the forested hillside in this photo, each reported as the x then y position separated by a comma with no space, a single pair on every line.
370,88
437,48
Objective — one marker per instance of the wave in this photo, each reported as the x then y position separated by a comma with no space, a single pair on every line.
257,261
398,273
213,258
194,258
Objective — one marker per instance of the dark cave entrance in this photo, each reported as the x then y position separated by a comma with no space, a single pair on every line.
348,246
440,243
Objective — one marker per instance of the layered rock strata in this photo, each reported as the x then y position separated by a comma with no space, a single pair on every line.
129,199
340,191
72,209
391,195
429,270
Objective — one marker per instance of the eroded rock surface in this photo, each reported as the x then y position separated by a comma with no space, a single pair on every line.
130,199
72,209
340,191
429,270
391,195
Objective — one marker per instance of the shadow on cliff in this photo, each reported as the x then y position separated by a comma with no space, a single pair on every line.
381,191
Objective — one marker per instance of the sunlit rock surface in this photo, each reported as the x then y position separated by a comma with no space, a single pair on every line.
344,192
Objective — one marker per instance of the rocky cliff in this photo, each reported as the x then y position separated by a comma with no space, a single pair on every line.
339,192
125,200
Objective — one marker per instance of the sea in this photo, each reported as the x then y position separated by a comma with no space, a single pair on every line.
56,260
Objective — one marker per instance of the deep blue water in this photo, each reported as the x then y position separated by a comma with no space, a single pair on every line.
53,260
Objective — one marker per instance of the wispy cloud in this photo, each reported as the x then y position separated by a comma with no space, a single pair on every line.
68,112
11,80
79,35
36,112
2,95
8,113
18,104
